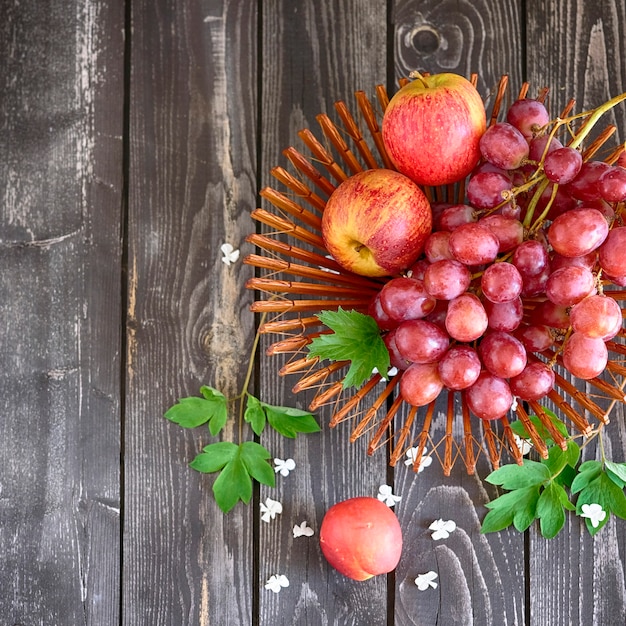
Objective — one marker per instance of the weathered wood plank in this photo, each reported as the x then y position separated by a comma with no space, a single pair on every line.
192,186
314,54
462,37
578,50
60,253
480,577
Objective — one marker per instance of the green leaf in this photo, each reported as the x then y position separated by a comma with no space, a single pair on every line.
615,478
587,472
550,510
514,476
289,421
239,464
618,469
214,457
517,507
255,415
233,484
603,491
219,418
254,457
497,520
559,458
612,497
192,412
355,338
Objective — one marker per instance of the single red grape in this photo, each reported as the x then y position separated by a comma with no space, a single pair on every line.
578,232
420,341
504,146
405,298
455,215
585,357
473,244
489,397
466,318
484,190
502,354
420,384
569,285
395,358
563,165
501,282
447,279
530,258
534,382
537,147
460,367
437,246
597,317
528,116
376,311
611,254
550,314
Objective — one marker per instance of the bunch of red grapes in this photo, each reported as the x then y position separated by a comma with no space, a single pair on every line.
515,279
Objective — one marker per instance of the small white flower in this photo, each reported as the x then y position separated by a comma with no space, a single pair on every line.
442,528
230,254
594,513
284,467
304,530
425,461
277,582
385,495
524,445
423,581
270,509
391,372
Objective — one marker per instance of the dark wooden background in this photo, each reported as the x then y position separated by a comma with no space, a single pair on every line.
134,138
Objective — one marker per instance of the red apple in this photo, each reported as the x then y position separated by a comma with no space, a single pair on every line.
432,127
361,538
376,222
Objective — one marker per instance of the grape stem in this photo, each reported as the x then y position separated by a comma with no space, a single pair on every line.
592,116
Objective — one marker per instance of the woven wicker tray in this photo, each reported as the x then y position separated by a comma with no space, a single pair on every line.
297,279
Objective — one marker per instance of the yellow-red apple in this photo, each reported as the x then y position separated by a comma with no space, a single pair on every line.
432,128
361,538
376,222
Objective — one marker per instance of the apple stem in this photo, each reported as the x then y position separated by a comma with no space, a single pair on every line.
415,75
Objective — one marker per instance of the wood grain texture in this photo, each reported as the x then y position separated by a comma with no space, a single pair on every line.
216,90
316,53
459,36
192,187
575,579
577,49
60,252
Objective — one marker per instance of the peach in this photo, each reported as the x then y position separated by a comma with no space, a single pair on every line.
361,538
